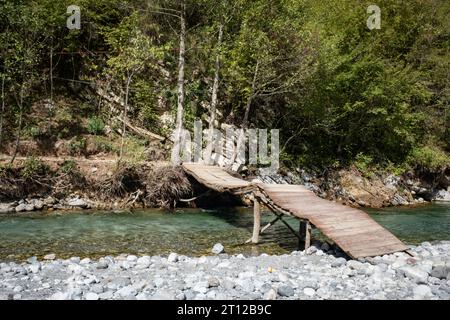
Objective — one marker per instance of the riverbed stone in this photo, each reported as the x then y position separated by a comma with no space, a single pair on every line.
173,257
79,203
286,291
415,274
309,291
440,271
422,291
338,262
218,248
92,296
50,256
21,207
288,276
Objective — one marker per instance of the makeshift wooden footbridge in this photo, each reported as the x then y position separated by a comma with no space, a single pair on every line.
353,230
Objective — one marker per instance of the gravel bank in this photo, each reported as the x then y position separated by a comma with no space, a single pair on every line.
313,274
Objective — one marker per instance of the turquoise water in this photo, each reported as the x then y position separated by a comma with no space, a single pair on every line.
190,231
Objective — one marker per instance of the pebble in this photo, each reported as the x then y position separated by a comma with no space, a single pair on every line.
309,292
173,257
218,248
290,276
285,291
50,256
92,296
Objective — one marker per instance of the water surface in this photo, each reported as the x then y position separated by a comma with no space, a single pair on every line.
189,231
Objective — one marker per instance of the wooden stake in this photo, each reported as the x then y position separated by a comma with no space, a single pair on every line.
256,221
308,235
305,234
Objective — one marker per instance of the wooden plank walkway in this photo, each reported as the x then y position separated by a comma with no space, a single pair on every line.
353,230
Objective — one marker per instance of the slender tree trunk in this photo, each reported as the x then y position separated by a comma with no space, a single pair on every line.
3,110
125,109
51,76
246,115
214,99
19,126
250,98
180,106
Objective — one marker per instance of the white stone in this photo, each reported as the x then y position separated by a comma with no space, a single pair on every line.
309,291
92,296
218,248
422,291
173,257
50,256
270,295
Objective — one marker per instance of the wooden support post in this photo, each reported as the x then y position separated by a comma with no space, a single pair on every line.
305,234
308,235
256,220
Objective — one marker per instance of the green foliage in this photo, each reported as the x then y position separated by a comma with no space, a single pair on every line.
430,159
95,126
68,166
340,93
33,167
77,146
103,145
363,162
35,132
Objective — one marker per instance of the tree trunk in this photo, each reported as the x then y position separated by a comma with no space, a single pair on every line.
19,126
51,75
180,106
214,99
125,109
3,110
246,115
250,98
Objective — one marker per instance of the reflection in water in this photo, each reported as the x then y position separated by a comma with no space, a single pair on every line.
188,231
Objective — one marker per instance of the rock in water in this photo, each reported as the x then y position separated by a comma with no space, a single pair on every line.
50,256
218,248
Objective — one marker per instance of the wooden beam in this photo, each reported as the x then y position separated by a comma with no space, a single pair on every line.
308,235
305,234
267,226
256,220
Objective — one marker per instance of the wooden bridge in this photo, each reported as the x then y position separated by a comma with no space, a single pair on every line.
353,230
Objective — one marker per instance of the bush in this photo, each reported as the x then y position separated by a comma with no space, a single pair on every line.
68,166
431,159
35,132
95,126
77,146
363,163
34,167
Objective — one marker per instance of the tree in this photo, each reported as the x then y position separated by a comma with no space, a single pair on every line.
133,53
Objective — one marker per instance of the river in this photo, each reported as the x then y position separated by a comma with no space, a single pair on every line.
185,231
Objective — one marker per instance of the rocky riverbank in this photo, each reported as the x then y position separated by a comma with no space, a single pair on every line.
310,274
351,187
